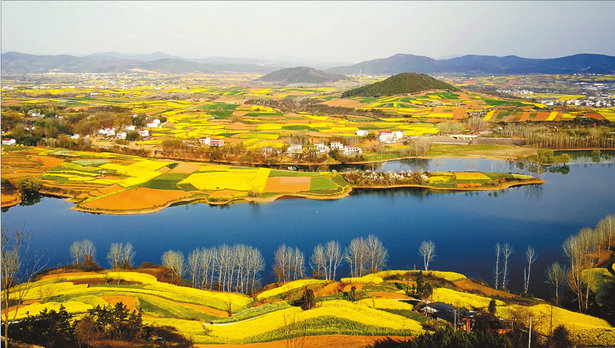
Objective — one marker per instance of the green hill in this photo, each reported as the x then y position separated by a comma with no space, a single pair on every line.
301,74
398,84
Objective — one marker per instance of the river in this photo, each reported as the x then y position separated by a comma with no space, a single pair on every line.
464,226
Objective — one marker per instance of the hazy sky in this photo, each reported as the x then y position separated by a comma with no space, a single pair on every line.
322,31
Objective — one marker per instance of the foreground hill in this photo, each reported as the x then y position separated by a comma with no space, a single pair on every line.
476,64
365,306
301,74
398,84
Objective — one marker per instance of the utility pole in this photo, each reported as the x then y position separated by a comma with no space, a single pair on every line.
529,339
455,316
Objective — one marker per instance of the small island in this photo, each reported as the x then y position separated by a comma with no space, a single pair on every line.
109,183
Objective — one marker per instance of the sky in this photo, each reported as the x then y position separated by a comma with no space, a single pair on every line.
325,31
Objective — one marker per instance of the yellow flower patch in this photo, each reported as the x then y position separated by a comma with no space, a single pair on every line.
288,287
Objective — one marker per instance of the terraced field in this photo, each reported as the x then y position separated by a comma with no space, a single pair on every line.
272,315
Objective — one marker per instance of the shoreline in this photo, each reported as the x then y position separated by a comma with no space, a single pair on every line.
344,194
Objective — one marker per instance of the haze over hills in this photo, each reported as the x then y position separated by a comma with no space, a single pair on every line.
112,62
301,74
398,84
476,65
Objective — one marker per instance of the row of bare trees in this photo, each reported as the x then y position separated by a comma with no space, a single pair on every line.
225,268
289,264
82,252
546,137
363,256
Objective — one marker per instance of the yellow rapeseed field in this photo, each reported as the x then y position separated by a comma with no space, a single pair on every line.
289,286
461,299
233,179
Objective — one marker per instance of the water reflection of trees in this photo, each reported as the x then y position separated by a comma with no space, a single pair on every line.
533,191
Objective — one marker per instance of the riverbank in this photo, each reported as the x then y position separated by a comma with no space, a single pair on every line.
272,198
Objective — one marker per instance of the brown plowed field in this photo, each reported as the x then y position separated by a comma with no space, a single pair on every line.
185,168
287,184
139,199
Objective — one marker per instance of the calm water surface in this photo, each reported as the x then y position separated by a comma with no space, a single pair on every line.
464,226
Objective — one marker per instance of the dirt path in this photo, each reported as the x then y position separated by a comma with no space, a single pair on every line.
312,342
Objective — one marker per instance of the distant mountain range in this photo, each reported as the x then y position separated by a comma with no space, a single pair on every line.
477,65
301,74
112,62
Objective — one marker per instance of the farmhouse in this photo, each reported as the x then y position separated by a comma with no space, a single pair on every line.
75,136
336,145
129,128
216,142
143,132
352,150
8,141
295,148
361,133
440,311
204,140
121,135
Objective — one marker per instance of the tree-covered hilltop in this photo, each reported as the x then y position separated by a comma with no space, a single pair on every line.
301,74
398,84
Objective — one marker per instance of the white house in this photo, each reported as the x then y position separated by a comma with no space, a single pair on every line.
8,141
110,131
361,133
399,135
386,137
129,128
295,148
121,135
152,124
322,148
216,142
336,145
352,150
75,136
204,140
143,132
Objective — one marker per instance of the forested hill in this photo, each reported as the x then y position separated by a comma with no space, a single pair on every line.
301,74
398,84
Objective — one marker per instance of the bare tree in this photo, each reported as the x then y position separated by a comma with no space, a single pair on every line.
17,272
356,257
194,266
128,255
376,253
581,251
318,262
333,257
280,265
556,275
89,251
76,252
530,257
174,260
507,250
606,228
115,255
428,251
496,271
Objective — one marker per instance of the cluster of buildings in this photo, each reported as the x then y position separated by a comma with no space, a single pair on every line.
111,133
322,148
